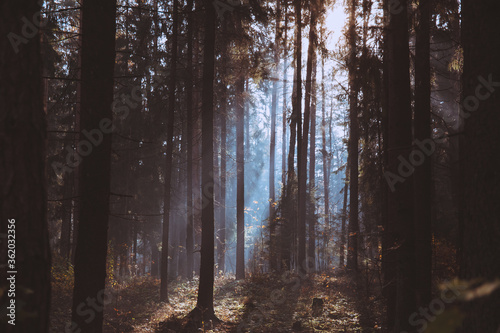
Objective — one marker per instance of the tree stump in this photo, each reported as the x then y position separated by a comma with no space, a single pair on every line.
317,307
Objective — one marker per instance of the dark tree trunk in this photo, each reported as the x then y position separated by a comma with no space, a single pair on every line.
480,164
423,177
96,95
325,154
240,163
272,158
301,144
205,302
22,173
223,171
240,175
189,106
221,246
353,229
311,83
285,112
168,160
400,224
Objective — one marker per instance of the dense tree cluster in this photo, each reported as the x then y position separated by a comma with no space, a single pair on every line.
192,139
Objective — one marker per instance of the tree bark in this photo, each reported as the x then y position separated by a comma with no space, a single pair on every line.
311,83
205,301
240,175
325,154
22,172
98,28
353,229
168,160
272,156
285,111
301,144
189,107
480,164
399,143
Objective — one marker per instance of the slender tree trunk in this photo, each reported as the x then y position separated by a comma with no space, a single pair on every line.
22,172
221,257
324,151
96,95
168,160
189,107
311,82
197,132
205,302
285,83
301,144
272,157
240,175
423,176
353,229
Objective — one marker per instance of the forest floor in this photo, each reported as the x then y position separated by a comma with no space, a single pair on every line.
261,304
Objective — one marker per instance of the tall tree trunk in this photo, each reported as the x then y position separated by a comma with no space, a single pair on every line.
96,95
272,155
221,256
240,173
324,151
353,229
22,172
168,160
189,107
422,176
400,224
197,131
311,101
480,164
205,302
301,144
285,111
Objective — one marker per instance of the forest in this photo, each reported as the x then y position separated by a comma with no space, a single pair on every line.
178,166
